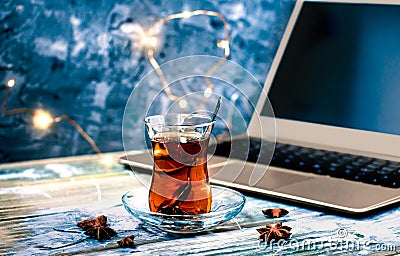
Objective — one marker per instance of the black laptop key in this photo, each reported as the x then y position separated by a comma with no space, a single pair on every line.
372,180
292,148
302,164
337,164
393,165
350,172
348,158
391,182
319,168
385,171
360,163
317,155
288,162
369,169
394,184
252,157
374,166
336,169
390,168
380,162
368,175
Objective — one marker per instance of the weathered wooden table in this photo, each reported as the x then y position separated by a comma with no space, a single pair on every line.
40,198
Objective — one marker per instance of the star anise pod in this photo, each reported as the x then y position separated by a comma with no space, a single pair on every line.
271,233
101,233
85,224
275,212
174,210
127,242
97,228
100,221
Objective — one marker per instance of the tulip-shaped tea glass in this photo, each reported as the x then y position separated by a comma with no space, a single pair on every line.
180,183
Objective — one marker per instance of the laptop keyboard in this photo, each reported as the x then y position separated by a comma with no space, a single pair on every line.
340,165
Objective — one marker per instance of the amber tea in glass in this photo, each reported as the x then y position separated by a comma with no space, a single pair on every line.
180,183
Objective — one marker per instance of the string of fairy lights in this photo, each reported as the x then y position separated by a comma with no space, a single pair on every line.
42,120
147,40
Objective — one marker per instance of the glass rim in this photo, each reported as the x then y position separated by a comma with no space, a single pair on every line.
209,122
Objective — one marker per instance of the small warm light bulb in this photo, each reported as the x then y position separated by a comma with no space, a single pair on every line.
182,103
149,41
107,161
186,14
153,41
42,120
11,82
208,92
223,44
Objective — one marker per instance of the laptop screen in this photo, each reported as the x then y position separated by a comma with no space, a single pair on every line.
341,68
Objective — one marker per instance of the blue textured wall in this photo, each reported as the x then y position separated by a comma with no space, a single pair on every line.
70,57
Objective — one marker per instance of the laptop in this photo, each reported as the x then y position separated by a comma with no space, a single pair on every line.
334,86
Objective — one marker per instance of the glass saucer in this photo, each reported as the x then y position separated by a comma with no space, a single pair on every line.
226,204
